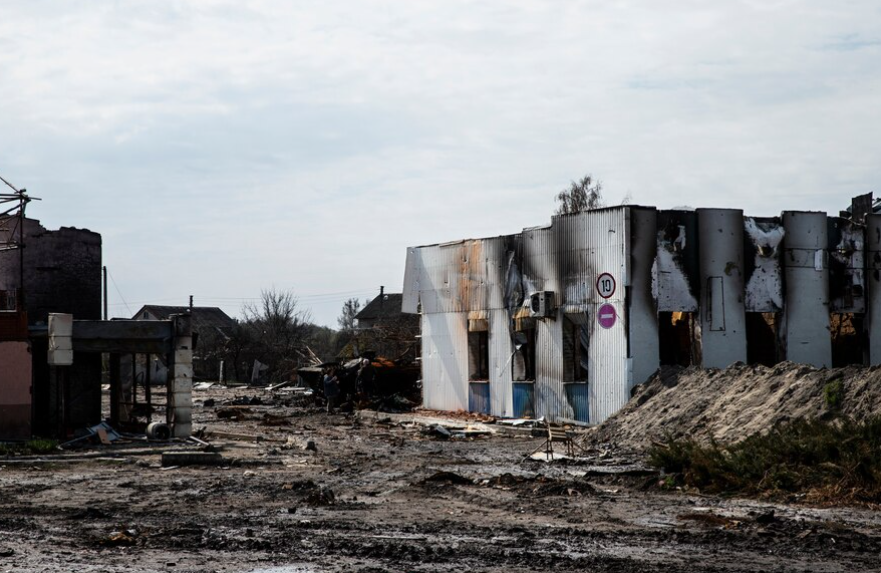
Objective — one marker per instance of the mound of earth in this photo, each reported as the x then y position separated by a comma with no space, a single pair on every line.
731,404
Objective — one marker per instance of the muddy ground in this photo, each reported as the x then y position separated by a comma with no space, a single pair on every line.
381,493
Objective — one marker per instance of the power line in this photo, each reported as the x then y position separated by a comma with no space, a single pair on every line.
119,292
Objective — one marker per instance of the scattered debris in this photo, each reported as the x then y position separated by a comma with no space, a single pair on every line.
158,431
438,431
233,413
321,496
120,538
102,432
180,459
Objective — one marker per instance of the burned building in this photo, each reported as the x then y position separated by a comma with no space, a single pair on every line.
52,339
562,321
384,330
60,272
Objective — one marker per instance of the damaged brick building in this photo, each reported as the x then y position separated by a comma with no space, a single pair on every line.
61,273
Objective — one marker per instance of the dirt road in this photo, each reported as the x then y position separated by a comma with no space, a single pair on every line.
380,494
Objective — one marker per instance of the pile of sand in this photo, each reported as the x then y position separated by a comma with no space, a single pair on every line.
733,403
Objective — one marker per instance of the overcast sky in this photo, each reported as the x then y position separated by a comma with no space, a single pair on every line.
221,149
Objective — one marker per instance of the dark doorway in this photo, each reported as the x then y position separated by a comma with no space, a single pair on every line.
677,339
848,338
762,346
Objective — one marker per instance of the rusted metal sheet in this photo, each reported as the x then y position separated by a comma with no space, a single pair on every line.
763,274
805,334
477,274
847,286
677,277
723,320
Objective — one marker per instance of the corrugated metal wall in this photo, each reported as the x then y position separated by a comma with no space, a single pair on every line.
655,258
494,275
594,243
500,351
445,361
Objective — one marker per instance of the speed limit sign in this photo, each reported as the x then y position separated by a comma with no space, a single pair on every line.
606,285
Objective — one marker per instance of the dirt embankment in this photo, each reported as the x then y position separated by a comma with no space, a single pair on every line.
731,404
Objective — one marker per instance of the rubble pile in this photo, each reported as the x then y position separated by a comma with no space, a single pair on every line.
731,404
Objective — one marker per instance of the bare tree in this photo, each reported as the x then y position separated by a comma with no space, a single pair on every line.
346,320
348,333
278,327
582,195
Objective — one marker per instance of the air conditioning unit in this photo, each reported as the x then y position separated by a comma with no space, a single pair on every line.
541,304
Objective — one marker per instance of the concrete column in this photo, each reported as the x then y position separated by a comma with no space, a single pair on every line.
805,326
180,377
873,287
722,312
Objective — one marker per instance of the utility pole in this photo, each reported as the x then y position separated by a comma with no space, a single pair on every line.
104,271
191,304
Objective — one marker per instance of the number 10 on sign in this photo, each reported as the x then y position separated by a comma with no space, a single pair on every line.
606,285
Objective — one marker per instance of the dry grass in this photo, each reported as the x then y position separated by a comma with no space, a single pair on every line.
838,460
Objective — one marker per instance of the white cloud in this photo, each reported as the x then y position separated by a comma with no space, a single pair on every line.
221,148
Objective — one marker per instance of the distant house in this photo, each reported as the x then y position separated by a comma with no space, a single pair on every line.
211,329
384,330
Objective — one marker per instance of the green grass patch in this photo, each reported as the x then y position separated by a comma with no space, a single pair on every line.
36,446
837,460
833,394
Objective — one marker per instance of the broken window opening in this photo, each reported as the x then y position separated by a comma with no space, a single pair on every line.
848,338
762,342
131,377
677,339
575,351
523,362
478,355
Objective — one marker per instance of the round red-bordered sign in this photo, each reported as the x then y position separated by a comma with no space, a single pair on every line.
605,285
607,316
